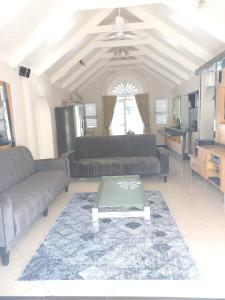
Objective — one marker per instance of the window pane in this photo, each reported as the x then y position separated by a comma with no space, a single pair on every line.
126,117
90,109
118,125
161,105
91,122
133,118
161,110
161,119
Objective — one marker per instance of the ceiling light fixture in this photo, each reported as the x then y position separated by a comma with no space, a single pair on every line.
201,4
121,53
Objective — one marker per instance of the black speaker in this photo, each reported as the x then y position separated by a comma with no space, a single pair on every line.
220,76
25,72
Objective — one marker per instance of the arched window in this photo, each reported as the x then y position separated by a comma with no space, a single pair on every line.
126,117
126,88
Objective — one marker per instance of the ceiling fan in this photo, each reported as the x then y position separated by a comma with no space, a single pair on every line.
120,32
201,4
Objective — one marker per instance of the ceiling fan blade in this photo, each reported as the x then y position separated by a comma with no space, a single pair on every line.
111,37
130,36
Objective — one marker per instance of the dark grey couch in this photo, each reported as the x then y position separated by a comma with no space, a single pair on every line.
118,155
27,187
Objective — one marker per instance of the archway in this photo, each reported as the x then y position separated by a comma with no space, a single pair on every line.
44,129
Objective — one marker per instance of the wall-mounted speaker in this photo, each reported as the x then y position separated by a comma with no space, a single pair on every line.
24,71
220,76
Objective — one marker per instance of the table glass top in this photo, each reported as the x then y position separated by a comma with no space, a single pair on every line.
120,192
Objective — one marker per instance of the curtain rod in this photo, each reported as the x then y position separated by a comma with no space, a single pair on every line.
210,62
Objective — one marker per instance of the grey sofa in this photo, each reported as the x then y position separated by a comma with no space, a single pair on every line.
27,187
118,155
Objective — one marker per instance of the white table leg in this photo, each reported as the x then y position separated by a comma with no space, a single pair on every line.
95,214
147,212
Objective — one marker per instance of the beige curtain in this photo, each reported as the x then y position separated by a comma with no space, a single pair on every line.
109,103
143,107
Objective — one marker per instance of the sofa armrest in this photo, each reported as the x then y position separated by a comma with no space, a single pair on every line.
53,163
7,233
163,156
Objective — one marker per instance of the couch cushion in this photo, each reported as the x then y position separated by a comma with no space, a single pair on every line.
15,165
32,196
130,145
117,166
89,147
115,146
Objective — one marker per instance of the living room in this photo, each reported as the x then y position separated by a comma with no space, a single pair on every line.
112,149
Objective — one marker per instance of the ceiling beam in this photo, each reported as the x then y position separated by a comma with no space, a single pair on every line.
143,67
158,76
170,33
163,62
121,43
166,74
128,27
151,64
69,44
65,69
156,44
119,68
93,60
58,19
93,77
87,75
95,68
168,51
147,40
123,62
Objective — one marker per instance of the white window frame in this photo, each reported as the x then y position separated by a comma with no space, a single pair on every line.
161,113
90,116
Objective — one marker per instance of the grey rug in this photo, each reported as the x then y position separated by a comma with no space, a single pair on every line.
129,248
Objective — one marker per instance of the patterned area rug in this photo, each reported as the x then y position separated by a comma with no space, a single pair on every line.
129,248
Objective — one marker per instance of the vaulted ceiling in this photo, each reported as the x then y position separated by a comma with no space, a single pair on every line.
68,42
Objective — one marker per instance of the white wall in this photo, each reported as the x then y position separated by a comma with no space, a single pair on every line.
26,95
151,85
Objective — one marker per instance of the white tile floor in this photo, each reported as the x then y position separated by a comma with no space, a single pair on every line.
198,209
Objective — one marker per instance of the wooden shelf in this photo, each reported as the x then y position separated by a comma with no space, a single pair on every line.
215,181
205,165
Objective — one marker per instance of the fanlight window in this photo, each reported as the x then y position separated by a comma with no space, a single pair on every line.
125,89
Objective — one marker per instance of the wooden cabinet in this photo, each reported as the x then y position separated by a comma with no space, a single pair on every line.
221,104
175,143
210,164
198,162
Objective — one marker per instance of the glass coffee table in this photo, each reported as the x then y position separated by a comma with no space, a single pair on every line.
120,197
